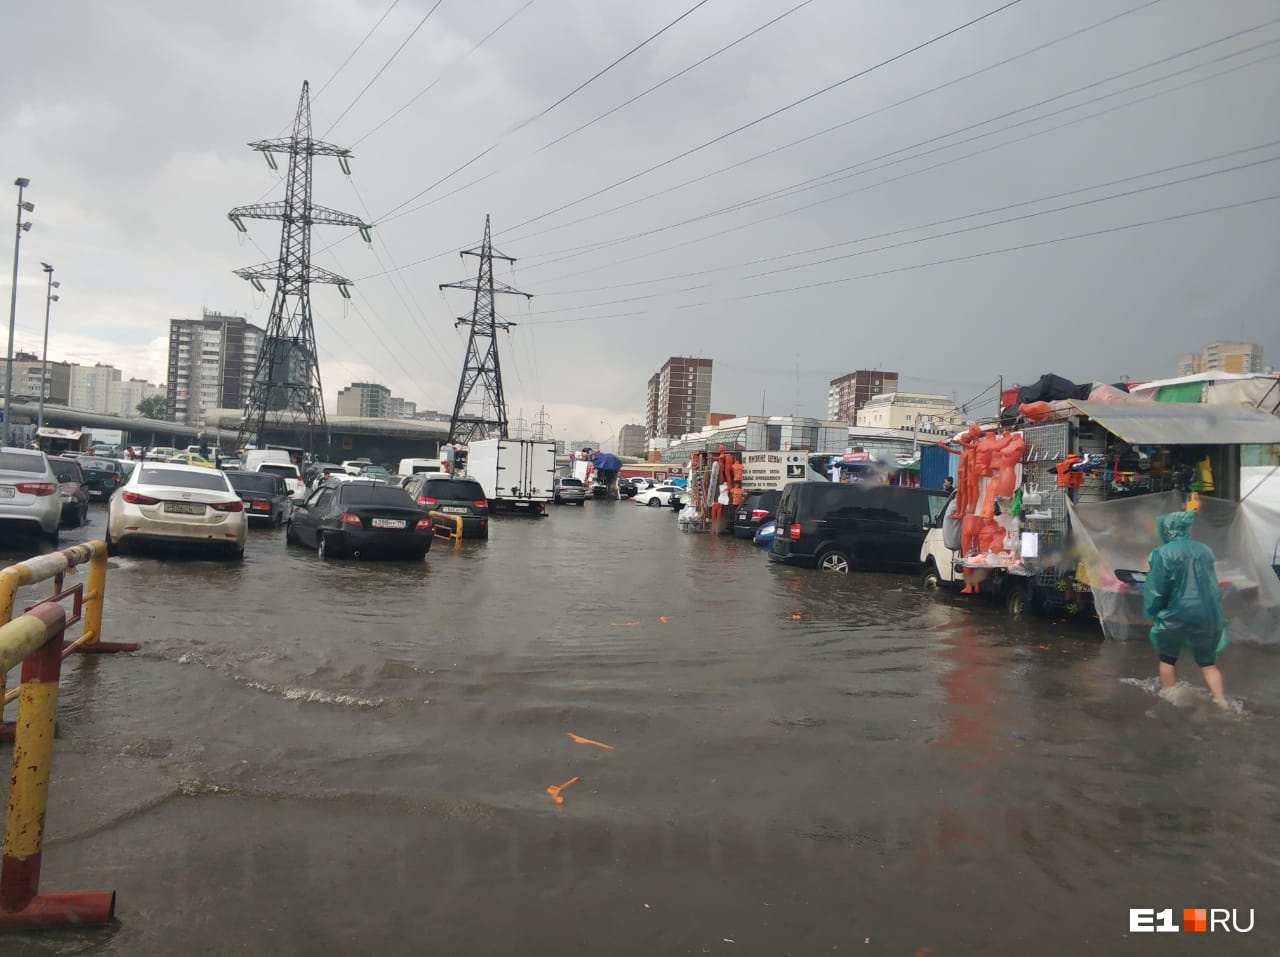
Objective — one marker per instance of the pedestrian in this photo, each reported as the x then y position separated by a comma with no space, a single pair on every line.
948,485
1180,595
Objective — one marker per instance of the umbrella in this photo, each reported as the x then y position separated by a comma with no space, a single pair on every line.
606,462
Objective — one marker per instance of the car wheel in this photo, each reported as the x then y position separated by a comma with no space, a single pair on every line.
931,581
84,515
322,549
834,560
290,536
279,520
1016,602
653,502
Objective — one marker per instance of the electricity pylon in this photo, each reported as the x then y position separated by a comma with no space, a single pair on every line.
483,415
286,395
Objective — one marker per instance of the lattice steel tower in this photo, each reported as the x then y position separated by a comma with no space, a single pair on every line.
482,415
286,396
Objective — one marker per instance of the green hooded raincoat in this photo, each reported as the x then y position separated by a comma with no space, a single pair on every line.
1181,593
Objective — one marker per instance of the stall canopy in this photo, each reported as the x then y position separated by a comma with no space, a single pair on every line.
69,434
1157,423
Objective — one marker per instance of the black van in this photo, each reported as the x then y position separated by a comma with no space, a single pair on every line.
835,527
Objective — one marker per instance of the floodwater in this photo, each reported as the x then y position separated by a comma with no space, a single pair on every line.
353,757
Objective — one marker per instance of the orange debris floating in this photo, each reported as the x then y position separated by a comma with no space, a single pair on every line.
578,739
555,789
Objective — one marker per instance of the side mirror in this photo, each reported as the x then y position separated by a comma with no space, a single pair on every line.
299,502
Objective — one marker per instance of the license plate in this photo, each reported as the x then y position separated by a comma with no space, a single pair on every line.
454,510
7,491
183,508
742,516
388,523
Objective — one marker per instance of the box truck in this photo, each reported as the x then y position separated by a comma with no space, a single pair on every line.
517,474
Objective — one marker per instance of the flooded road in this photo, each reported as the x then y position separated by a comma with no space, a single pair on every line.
353,757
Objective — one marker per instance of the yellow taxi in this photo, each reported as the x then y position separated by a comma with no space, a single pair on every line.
190,458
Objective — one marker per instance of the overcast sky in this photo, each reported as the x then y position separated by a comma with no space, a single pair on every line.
131,120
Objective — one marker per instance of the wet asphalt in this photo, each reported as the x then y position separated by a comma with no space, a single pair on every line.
353,757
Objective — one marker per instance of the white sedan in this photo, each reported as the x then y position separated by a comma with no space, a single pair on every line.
658,496
177,504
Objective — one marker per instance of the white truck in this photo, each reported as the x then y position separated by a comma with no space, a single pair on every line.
517,474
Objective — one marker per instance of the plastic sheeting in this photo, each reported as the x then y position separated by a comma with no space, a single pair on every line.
1119,536
1260,495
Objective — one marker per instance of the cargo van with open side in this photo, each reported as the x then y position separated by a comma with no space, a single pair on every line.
1092,477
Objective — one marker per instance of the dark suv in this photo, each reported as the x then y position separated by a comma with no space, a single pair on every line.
756,509
464,497
835,527
102,476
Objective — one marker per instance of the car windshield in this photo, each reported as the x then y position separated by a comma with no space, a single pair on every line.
253,482
14,461
375,470
66,471
181,478
453,489
571,481
99,465
374,495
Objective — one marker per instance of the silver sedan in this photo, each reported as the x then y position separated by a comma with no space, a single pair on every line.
177,505
29,490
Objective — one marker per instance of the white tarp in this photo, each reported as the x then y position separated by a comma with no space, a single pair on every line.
1260,496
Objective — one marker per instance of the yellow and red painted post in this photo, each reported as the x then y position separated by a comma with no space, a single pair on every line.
54,565
35,639
455,536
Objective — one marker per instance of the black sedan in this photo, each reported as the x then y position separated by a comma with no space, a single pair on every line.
101,476
265,496
360,518
756,509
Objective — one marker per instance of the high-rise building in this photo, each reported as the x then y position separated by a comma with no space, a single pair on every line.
127,394
849,393
27,371
368,400
94,387
633,440
212,361
679,397
1223,357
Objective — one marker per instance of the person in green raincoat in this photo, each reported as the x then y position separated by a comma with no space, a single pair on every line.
1181,597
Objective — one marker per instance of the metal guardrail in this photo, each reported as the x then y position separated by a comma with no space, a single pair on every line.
87,608
455,536
35,640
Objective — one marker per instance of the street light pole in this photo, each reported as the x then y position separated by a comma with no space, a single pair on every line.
22,183
610,428
49,299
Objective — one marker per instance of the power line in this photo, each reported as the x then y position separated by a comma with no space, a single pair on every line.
445,72
770,115
857,169
783,192
382,69
519,126
940,262
974,228
359,45
856,119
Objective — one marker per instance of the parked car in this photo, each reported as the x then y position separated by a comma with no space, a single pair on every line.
29,498
161,453
657,496
449,495
763,536
756,509
357,518
627,488
266,498
314,472
102,476
377,473
567,489
355,466
190,458
287,471
75,497
172,504
837,527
